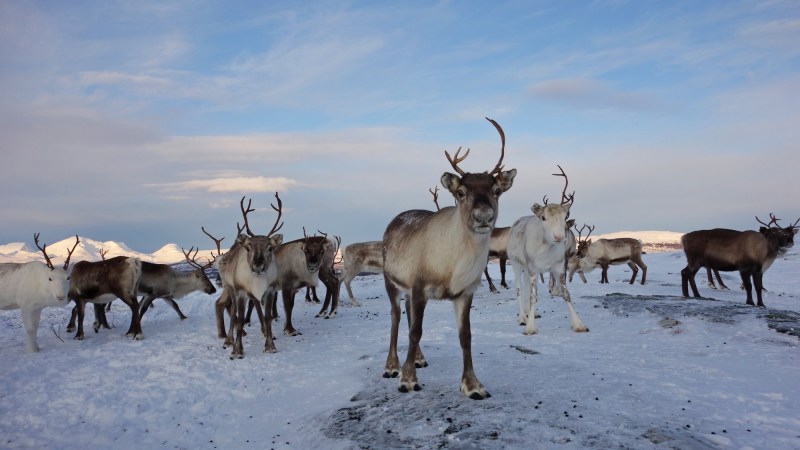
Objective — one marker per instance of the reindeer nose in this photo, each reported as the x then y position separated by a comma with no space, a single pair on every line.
484,215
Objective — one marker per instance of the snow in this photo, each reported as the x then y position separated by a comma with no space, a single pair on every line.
655,371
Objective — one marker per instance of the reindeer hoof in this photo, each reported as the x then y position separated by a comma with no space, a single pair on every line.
420,365
391,374
403,388
478,396
78,338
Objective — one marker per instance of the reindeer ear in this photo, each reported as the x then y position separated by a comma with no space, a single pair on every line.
451,182
277,239
241,238
570,223
505,179
538,210
588,242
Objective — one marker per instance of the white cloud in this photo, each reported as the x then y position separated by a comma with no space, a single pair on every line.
232,184
593,94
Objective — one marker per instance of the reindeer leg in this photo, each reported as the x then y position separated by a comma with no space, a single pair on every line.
503,272
80,305
408,373
575,321
690,278
748,286
419,358
288,305
30,320
135,329
72,317
634,271
489,280
757,281
219,310
711,284
175,306
532,289
719,281
100,318
237,314
523,292
392,367
143,307
269,340
470,385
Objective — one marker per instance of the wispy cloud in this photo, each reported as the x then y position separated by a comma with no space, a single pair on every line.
584,93
234,184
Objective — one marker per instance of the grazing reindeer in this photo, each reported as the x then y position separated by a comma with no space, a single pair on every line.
247,271
536,245
101,282
608,252
750,253
33,286
361,257
441,255
163,281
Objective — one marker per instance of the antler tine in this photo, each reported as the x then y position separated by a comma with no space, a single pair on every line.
216,241
279,209
499,166
774,219
191,259
435,194
69,252
564,197
591,228
762,223
454,161
245,212
544,200
46,258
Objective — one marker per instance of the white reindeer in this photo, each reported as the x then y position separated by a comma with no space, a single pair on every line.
536,245
442,255
33,286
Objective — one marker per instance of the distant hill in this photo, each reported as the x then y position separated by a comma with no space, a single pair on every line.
90,250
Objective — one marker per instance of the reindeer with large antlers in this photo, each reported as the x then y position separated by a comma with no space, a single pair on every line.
750,253
537,245
441,255
247,271
33,286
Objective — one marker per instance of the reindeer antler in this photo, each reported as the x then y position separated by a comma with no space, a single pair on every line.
774,220
103,253
435,194
216,241
454,161
564,197
192,259
279,209
245,212
580,231
499,166
69,252
46,258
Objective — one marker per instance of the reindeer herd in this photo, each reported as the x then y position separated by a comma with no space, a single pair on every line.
423,255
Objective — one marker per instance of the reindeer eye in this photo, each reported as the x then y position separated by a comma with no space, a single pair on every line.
497,192
461,194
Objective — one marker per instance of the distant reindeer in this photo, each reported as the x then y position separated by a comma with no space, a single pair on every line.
536,245
33,286
750,253
168,283
247,270
608,252
361,257
441,255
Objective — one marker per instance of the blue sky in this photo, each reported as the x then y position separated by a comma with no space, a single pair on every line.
142,121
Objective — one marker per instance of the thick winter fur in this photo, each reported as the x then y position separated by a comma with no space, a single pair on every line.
608,252
163,281
537,245
441,255
31,287
103,281
750,253
359,258
247,271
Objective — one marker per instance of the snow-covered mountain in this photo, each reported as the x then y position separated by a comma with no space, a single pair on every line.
654,241
91,250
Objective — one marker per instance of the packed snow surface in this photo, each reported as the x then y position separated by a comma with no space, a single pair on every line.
656,371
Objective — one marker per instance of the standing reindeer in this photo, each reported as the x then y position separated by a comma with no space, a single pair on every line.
607,252
168,283
441,255
33,286
361,257
247,271
536,245
750,253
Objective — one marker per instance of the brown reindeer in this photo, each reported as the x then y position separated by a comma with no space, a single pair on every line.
168,283
247,271
441,255
750,253
361,257
100,282
604,253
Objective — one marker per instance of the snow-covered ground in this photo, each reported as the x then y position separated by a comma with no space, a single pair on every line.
655,371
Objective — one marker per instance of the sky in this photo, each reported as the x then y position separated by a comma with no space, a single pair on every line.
140,121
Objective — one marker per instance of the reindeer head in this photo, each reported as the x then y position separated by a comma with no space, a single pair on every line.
783,238
554,217
314,249
199,272
58,278
583,242
260,248
477,194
